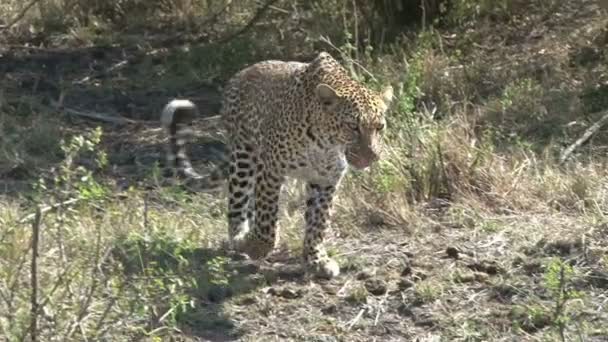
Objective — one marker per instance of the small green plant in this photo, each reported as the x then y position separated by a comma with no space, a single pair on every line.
71,180
358,294
466,12
471,330
604,261
558,280
216,268
427,291
490,226
531,317
352,263
519,113
595,98
522,97
164,271
387,178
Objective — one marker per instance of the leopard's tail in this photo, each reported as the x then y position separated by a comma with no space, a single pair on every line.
176,119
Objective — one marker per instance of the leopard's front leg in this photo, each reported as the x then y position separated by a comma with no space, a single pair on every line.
264,236
317,217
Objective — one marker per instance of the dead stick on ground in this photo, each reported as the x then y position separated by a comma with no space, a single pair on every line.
355,320
34,275
380,308
48,208
588,133
118,120
99,116
109,70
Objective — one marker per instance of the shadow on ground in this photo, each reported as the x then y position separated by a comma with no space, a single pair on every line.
192,283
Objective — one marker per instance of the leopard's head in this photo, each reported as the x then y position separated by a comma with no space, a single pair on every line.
359,116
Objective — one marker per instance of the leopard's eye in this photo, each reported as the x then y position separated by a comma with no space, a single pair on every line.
381,127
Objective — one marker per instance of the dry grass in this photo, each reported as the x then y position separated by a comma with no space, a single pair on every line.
468,230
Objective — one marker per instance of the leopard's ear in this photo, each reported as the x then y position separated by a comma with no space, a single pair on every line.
387,95
327,95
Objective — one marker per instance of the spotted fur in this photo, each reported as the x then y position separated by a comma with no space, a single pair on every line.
288,119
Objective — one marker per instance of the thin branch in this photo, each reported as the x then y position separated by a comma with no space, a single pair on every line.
354,321
275,8
20,15
44,210
588,133
99,116
34,275
114,67
85,306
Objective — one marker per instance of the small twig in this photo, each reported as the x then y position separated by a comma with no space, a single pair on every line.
588,133
340,292
44,210
99,116
146,226
274,8
117,66
166,314
108,308
380,308
20,15
109,70
560,302
85,306
210,118
48,295
34,275
355,320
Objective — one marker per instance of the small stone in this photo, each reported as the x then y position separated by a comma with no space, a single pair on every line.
598,278
405,310
424,322
518,260
376,286
422,318
470,277
407,270
406,265
532,267
290,294
218,293
405,284
465,277
452,252
329,289
246,268
286,293
247,300
419,275
481,277
487,266
330,309
376,219
365,274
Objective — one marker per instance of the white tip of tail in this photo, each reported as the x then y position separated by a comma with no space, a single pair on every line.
166,117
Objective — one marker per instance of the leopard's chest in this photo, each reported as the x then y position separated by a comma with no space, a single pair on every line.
319,165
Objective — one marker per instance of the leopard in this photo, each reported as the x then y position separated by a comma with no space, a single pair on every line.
310,121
